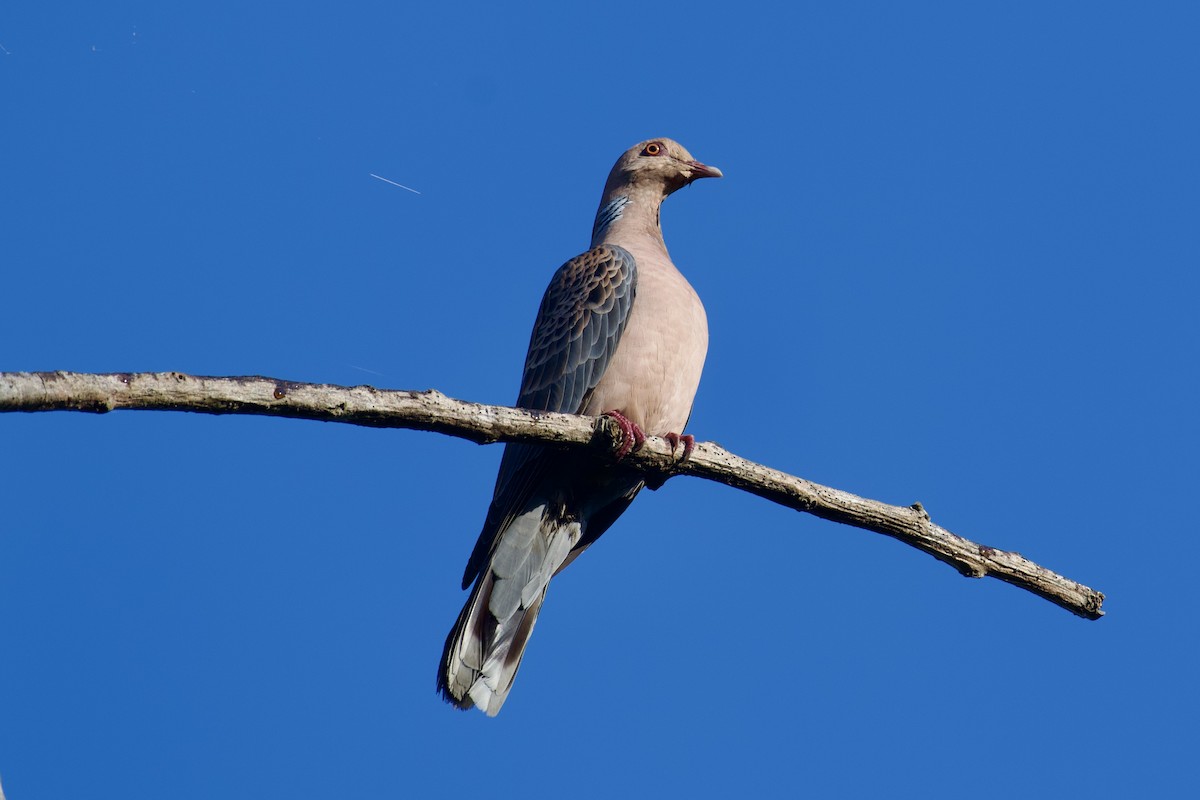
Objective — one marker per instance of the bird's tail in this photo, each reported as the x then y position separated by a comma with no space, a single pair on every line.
484,649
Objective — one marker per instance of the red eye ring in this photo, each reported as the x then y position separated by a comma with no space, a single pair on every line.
653,149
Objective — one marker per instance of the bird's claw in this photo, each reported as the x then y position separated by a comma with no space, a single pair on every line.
688,441
632,436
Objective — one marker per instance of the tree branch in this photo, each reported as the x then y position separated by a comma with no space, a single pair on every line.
433,411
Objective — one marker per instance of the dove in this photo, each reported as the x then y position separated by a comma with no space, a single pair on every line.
620,332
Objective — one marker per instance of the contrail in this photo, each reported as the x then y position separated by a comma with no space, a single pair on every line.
393,183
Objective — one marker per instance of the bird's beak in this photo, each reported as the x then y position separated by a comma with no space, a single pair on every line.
702,171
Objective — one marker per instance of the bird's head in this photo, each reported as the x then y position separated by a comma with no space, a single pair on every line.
661,163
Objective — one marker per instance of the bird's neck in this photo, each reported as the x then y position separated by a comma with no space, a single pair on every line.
626,213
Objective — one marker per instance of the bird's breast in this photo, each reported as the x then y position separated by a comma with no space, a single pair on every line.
655,371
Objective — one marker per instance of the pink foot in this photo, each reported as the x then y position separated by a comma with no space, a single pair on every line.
632,437
689,444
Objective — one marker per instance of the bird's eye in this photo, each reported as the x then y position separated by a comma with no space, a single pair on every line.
653,149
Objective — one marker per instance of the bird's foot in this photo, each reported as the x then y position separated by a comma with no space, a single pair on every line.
632,437
688,441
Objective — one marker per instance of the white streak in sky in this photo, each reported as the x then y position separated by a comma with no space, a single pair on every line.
393,183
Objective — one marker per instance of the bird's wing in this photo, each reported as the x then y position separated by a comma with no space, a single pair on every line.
579,324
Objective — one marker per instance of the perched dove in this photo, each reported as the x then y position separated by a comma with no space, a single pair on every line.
619,332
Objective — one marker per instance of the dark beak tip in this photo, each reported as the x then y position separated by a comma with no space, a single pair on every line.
704,171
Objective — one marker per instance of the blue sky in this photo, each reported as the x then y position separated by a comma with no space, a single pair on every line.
953,260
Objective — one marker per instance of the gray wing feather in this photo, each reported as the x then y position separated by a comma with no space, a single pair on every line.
526,538
579,325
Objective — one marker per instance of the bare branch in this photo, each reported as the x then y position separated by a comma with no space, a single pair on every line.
433,411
